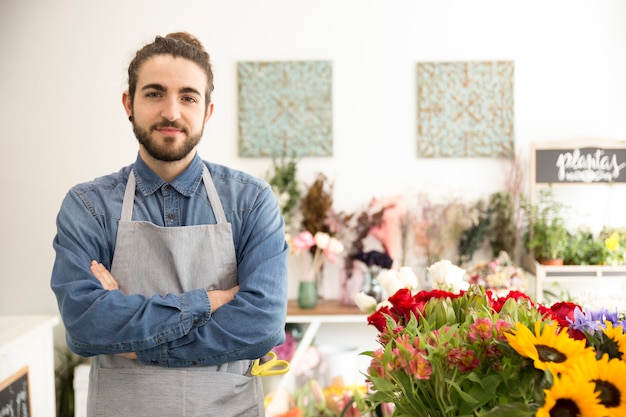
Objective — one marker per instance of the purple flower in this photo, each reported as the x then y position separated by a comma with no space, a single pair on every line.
372,258
593,320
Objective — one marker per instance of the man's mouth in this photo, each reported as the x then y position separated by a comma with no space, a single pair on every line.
169,131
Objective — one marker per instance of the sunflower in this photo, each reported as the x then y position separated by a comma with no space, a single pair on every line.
550,349
608,377
571,395
615,339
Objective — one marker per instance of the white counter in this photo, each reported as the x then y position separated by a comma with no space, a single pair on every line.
27,341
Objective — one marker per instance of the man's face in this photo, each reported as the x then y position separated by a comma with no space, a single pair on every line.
169,109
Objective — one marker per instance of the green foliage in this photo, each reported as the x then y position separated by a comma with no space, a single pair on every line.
502,228
584,249
496,222
64,381
546,234
285,184
473,237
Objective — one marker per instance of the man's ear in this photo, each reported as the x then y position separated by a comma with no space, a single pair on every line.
127,103
208,113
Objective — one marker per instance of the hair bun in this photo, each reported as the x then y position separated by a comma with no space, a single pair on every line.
186,37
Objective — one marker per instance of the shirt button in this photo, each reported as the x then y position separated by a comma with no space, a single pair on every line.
160,339
170,216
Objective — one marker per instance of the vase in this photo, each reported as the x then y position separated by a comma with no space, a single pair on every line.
350,284
371,286
307,294
551,262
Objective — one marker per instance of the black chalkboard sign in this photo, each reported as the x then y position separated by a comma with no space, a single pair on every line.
580,165
14,395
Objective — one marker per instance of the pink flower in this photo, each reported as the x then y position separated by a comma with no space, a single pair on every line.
326,247
377,365
303,241
502,327
481,329
463,358
424,368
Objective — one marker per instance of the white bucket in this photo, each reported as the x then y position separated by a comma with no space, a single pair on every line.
339,361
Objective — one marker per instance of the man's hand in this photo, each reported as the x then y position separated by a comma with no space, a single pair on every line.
109,283
218,298
104,276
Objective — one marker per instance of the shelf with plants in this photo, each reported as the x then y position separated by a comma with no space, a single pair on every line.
595,261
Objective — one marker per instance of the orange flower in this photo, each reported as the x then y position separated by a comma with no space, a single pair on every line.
294,412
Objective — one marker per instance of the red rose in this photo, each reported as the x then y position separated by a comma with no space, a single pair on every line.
403,304
378,319
564,310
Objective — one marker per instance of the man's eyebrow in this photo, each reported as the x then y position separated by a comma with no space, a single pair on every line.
159,87
189,90
155,86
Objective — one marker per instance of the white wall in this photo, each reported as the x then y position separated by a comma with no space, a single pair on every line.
63,71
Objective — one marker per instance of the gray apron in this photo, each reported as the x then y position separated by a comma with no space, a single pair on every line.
153,260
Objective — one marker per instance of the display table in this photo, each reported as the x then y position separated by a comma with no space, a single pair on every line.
581,279
27,358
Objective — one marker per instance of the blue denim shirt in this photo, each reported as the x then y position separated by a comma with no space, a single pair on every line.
174,330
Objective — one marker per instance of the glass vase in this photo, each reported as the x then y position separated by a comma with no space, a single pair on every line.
307,294
371,286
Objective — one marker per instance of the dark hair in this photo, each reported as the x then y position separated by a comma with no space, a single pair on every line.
177,44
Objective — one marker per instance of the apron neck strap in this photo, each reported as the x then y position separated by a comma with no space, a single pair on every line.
216,205
214,198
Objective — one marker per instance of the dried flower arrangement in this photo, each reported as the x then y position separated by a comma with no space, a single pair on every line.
437,227
316,205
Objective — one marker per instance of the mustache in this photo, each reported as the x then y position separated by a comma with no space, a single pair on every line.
166,123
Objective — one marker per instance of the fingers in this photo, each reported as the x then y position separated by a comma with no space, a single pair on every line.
234,290
218,298
104,276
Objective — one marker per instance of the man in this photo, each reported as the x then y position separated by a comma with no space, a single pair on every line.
197,287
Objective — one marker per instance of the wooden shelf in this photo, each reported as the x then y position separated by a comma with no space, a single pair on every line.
323,308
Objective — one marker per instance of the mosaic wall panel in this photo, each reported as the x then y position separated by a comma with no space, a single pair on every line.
285,108
465,109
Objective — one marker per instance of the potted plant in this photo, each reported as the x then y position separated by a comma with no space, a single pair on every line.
546,234
585,249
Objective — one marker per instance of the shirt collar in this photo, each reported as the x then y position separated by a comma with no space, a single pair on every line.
186,183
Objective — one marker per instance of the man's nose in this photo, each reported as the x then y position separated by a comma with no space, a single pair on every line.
171,110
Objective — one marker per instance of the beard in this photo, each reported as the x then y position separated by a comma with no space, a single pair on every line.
167,151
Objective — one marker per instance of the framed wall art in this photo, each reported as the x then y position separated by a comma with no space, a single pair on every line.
465,109
285,108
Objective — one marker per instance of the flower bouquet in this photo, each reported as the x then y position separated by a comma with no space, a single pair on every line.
499,275
473,353
324,247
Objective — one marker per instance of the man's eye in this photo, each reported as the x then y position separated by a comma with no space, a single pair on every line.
190,99
153,94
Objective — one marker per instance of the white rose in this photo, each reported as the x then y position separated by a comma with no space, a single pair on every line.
448,276
322,240
335,245
390,281
408,277
365,303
